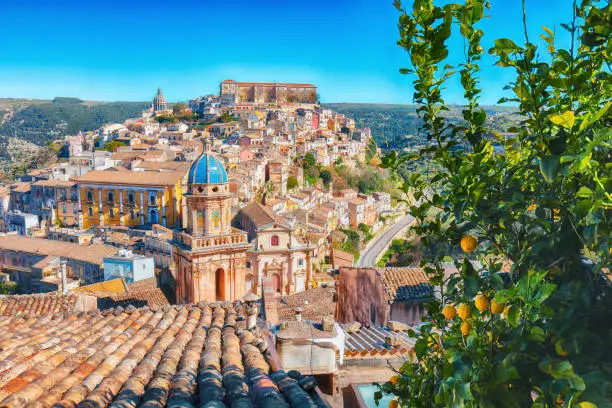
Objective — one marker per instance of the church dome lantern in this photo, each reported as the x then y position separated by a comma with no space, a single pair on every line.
207,174
159,101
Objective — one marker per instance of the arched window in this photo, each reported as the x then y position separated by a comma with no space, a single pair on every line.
274,241
90,211
132,215
89,195
111,196
131,197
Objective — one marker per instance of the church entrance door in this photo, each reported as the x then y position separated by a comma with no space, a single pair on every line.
220,284
277,282
153,217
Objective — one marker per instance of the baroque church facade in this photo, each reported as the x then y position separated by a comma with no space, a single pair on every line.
209,254
217,258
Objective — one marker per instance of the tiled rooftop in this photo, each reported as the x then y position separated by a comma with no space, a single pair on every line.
315,303
370,342
181,356
405,283
43,304
114,286
153,297
87,253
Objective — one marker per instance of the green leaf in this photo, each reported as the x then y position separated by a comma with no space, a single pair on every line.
505,44
464,391
565,120
514,316
548,167
584,192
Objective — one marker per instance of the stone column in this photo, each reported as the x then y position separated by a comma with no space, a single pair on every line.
194,222
308,270
122,221
163,210
100,209
80,212
142,216
290,259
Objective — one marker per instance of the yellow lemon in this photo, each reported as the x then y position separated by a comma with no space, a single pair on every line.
394,380
481,302
465,328
393,404
587,404
496,308
532,207
468,243
449,312
464,311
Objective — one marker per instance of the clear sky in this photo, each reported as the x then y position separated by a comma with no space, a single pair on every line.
124,49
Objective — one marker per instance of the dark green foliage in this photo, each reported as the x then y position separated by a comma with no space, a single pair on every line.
396,127
292,182
326,176
113,145
309,160
541,207
8,288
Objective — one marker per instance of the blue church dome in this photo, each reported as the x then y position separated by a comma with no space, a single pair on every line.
207,169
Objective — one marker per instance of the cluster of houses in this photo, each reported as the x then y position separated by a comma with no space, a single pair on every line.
136,200
192,240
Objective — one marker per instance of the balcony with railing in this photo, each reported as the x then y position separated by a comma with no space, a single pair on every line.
214,242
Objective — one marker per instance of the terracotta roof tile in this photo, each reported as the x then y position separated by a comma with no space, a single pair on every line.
405,283
94,254
114,286
315,303
153,297
44,304
136,178
370,342
183,356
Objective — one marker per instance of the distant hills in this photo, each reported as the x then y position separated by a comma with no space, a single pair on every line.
395,127
39,121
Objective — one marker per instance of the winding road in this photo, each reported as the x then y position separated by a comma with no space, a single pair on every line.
379,244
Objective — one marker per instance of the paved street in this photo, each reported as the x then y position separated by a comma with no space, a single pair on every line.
380,242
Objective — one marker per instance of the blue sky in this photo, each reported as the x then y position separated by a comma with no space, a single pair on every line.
123,50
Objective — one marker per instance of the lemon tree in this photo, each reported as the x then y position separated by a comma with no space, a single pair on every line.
529,323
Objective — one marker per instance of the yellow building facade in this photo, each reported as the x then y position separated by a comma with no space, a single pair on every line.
130,198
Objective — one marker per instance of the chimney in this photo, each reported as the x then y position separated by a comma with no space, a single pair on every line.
63,276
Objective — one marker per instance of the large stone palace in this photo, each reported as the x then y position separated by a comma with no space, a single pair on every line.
233,92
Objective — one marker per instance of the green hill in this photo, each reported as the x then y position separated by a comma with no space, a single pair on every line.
39,121
395,127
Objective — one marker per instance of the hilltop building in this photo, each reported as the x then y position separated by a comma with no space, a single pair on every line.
233,92
159,102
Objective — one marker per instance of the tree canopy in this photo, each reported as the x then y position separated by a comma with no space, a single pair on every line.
529,323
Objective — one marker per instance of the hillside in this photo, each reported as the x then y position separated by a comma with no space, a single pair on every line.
395,127
26,125
40,121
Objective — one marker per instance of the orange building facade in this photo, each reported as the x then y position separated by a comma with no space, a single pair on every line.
127,198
